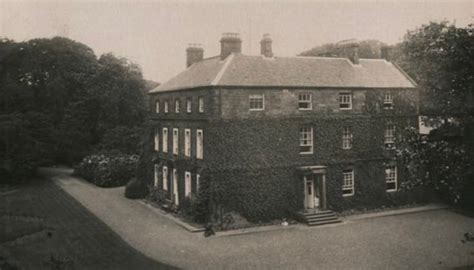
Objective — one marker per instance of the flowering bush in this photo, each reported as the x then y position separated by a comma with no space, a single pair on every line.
107,170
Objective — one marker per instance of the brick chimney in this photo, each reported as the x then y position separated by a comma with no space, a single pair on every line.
266,46
194,53
230,43
350,49
386,52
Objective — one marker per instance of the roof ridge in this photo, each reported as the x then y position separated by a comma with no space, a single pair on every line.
223,69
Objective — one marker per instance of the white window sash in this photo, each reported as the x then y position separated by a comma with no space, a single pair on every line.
157,106
157,140
175,187
257,99
201,104
306,139
156,174
305,99
187,184
175,141
165,178
165,140
199,144
187,142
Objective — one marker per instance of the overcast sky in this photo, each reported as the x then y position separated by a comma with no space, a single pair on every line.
155,34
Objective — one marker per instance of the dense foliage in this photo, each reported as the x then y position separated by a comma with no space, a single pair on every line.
108,170
439,56
367,49
59,103
136,189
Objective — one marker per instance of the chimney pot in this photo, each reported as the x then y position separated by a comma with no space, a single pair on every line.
350,49
230,43
194,54
386,52
266,46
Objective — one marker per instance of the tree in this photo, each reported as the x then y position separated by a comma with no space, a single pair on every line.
439,56
367,49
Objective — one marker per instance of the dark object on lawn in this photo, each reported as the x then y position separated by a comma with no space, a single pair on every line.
468,238
135,189
209,230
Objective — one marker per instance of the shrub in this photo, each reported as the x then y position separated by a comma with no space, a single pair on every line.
195,208
108,170
157,195
135,189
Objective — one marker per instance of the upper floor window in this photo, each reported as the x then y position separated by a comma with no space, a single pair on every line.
391,178
389,136
348,182
257,102
199,144
189,105
176,106
165,140
175,141
345,101
306,140
346,137
387,101
157,106
157,139
166,106
305,101
187,142
201,104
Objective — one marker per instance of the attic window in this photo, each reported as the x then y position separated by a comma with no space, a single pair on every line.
166,106
387,101
176,106
305,101
188,105
257,102
157,106
345,101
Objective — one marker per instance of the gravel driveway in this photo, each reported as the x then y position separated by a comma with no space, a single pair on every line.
423,240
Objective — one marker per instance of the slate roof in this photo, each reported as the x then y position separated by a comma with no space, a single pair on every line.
245,70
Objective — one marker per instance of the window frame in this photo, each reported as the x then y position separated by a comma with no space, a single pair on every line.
302,139
198,179
165,140
189,105
389,135
177,105
175,186
187,184
351,185
253,97
201,104
391,177
342,96
164,178
305,101
347,138
175,141
199,144
387,101
187,142
166,107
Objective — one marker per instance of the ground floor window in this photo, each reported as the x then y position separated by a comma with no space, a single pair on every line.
175,187
165,178
348,182
391,178
156,175
187,184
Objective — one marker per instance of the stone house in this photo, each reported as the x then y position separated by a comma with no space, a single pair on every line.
273,136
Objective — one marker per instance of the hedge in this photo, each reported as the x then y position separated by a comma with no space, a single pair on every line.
108,170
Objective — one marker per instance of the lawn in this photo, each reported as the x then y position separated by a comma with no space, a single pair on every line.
43,227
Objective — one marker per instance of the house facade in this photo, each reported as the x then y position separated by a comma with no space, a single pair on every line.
269,136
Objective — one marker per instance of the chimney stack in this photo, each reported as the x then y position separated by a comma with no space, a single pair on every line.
230,43
194,53
386,53
266,46
350,49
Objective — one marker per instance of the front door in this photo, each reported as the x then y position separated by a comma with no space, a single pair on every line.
315,191
309,191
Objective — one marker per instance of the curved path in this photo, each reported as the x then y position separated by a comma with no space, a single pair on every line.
423,240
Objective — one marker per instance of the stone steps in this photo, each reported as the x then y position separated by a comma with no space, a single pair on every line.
316,218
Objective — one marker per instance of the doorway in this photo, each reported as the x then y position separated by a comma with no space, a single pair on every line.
315,191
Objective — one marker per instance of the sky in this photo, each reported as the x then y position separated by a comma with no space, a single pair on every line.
155,34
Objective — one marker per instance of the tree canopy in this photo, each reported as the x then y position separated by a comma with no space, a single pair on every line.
58,102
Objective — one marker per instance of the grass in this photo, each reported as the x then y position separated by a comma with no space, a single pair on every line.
45,228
